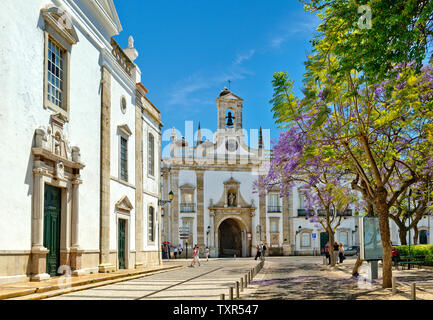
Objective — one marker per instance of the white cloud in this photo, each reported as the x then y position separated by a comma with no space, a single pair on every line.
185,91
244,57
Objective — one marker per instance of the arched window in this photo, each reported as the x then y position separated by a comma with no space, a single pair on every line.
151,224
151,155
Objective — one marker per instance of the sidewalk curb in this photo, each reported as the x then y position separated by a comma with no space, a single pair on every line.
55,290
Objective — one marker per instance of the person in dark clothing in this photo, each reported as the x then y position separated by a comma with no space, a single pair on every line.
259,252
327,255
341,253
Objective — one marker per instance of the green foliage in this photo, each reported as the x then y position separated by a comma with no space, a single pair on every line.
418,250
401,32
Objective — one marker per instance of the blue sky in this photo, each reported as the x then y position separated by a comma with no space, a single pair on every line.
188,49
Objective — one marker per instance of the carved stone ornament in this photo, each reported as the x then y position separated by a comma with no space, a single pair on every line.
60,170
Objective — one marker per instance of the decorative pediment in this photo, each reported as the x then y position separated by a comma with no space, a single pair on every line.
59,20
124,205
187,186
52,139
125,129
231,96
232,181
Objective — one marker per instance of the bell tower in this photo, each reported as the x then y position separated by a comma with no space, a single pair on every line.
229,111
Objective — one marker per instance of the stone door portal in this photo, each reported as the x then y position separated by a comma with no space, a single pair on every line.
230,239
121,244
52,212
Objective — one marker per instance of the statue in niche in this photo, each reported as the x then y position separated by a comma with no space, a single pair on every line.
231,198
57,144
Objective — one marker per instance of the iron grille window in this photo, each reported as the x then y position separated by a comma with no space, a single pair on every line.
123,159
150,224
151,160
55,74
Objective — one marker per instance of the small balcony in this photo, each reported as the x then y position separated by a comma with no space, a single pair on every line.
345,213
274,208
304,212
187,207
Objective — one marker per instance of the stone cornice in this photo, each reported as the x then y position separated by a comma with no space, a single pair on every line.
53,157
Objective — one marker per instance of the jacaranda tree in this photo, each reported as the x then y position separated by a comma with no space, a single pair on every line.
378,132
322,182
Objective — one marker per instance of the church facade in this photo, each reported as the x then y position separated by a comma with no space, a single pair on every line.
214,201
81,143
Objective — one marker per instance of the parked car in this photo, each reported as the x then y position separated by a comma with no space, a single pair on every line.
351,251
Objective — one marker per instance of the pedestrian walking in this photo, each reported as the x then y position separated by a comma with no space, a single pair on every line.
195,256
206,252
327,255
175,252
258,251
341,253
336,251
179,250
263,251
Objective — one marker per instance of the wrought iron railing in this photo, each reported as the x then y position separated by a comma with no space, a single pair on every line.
187,207
274,208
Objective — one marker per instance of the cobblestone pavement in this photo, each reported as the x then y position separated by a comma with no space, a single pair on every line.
306,278
206,282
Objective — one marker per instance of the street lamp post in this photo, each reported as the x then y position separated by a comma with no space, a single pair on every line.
162,203
409,215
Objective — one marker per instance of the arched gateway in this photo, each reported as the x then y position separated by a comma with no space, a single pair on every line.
230,239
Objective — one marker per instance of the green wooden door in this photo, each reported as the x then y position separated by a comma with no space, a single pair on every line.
423,237
121,245
52,207
324,238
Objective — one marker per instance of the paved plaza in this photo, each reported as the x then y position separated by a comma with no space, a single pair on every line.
306,278
282,278
206,282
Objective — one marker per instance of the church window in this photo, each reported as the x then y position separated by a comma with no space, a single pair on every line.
151,155
273,203
55,71
59,37
123,159
151,224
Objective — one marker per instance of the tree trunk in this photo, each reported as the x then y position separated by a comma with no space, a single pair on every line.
358,264
331,247
402,235
383,214
416,234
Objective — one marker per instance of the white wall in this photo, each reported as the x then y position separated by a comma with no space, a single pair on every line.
21,112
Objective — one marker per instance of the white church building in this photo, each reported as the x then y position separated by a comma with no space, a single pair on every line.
81,144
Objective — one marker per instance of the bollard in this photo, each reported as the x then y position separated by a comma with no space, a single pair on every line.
246,281
242,284
222,296
394,286
237,290
324,261
249,277
413,291
230,293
